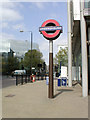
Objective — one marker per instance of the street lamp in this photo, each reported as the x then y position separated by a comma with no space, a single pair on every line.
31,46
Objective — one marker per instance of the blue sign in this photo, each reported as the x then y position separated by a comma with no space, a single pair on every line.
50,28
59,82
64,81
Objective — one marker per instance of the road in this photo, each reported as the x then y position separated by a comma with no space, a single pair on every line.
8,81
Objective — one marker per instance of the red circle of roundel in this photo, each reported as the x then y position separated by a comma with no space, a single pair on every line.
50,35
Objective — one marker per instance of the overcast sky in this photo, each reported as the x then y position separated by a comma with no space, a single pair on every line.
29,16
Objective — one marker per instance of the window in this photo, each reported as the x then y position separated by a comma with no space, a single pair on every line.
87,4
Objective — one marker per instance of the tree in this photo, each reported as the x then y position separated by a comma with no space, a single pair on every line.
9,64
36,59
62,56
13,64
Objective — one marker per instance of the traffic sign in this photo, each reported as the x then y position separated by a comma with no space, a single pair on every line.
64,81
50,29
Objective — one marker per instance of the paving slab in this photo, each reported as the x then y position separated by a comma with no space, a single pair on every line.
31,101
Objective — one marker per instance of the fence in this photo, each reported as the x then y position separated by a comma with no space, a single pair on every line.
22,79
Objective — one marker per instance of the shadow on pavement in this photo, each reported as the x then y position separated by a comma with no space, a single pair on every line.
77,82
61,91
74,84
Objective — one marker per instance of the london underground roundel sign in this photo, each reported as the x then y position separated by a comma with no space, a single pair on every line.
50,29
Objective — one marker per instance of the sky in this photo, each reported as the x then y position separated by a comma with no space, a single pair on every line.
29,16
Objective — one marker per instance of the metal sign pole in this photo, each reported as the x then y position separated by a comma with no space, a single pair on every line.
50,94
50,26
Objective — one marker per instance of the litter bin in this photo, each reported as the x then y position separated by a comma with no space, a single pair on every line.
47,80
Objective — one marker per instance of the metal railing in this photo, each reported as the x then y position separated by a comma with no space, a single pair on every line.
22,79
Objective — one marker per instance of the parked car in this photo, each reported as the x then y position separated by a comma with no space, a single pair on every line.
19,72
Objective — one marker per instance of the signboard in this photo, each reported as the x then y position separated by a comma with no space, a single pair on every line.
50,29
76,9
63,71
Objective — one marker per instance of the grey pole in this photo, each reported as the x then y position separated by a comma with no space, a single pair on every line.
50,94
69,47
84,52
31,46
31,51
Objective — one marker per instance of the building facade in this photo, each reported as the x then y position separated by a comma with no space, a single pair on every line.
79,42
19,47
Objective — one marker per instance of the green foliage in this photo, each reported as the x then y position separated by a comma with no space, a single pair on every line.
9,64
62,56
35,56
13,64
4,66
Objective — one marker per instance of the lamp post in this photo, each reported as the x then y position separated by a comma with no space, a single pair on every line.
31,46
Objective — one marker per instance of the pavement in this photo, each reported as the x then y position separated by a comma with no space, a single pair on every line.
31,101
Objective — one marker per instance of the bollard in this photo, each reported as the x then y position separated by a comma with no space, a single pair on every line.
41,77
22,79
31,78
45,77
47,80
38,77
16,80
25,78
